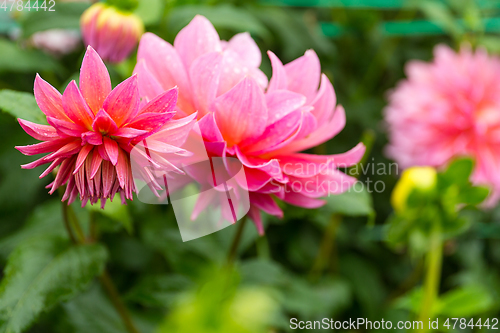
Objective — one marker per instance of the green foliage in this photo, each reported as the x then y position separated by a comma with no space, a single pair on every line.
21,105
15,59
66,16
437,209
42,272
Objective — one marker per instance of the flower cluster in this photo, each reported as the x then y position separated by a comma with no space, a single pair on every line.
446,109
241,115
263,124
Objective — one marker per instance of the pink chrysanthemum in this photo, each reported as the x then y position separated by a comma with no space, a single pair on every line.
449,108
241,116
92,130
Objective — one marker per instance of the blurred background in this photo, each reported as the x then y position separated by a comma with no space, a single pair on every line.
333,262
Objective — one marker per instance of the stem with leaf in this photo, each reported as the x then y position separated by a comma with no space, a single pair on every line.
71,222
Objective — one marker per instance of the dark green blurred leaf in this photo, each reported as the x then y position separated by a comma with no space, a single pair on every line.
459,171
263,272
21,105
43,272
16,59
65,16
159,290
45,220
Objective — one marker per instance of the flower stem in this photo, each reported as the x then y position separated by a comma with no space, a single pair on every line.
68,216
114,296
236,241
67,223
433,277
326,247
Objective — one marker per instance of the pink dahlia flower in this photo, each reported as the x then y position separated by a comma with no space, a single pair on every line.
449,108
92,130
264,125
112,32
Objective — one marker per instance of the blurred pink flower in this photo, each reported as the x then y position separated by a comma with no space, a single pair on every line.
449,108
263,124
57,41
92,130
110,31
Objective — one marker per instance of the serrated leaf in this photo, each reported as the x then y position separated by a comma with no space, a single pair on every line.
42,272
474,195
16,59
21,105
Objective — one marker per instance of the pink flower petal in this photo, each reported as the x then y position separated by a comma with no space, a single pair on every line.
266,203
103,123
150,121
241,113
163,61
254,214
111,149
209,129
163,103
282,102
303,74
92,138
122,168
246,48
49,100
129,133
196,39
66,127
274,135
95,83
43,147
39,132
149,87
122,104
75,106
82,155
205,74
298,199
279,79
324,103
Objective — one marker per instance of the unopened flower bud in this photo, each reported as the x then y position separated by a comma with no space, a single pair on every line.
416,178
113,33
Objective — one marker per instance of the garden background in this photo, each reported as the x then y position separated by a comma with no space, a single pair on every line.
334,262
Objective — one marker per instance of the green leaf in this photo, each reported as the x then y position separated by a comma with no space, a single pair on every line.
150,11
159,290
467,301
474,195
440,14
115,211
92,311
16,59
459,171
45,220
222,17
21,105
42,272
66,16
355,202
